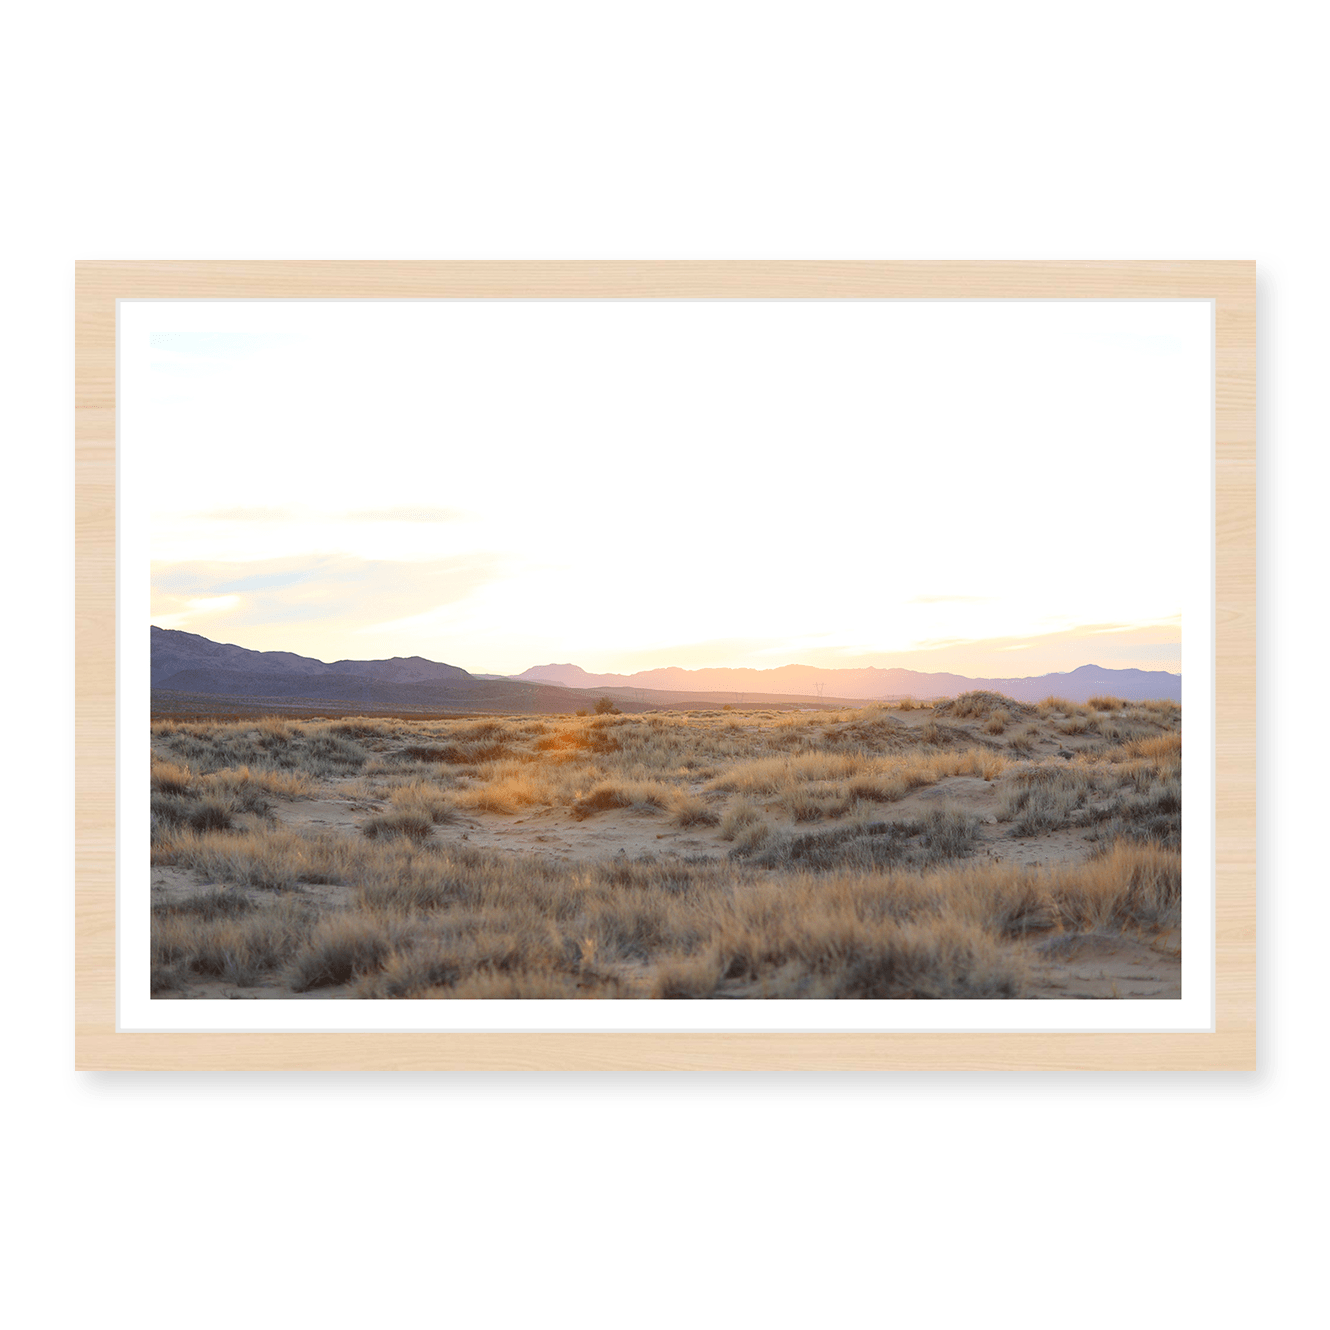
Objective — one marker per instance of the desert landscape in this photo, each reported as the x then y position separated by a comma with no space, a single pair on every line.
974,847
664,650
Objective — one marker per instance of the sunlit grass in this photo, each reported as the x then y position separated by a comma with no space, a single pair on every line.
830,865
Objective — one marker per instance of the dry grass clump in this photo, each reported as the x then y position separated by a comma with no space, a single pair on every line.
750,838
343,948
361,727
182,798
265,745
171,777
1131,885
1034,809
1058,706
740,814
887,788
774,775
1114,728
1153,816
1105,704
273,859
503,793
423,799
997,723
690,810
220,934
812,804
248,787
1024,742
941,835
641,795
404,822
1043,797
1163,749
839,957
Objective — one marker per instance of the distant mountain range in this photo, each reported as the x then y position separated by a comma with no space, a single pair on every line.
190,672
808,681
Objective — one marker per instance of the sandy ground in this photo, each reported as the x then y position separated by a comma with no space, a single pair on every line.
1063,967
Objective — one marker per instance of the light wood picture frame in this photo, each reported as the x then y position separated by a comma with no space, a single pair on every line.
99,285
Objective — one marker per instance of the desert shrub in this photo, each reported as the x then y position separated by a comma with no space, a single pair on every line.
403,822
211,815
341,949
1155,817
171,778
1162,748
167,811
644,796
692,811
688,977
605,707
215,903
750,838
332,751
359,729
272,859
884,789
812,805
868,847
423,800
247,788
941,960
214,936
948,833
430,753
739,815
1129,885
1040,806
831,950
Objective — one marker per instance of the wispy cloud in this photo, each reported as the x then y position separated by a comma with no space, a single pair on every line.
249,515
401,513
948,600
322,593
404,514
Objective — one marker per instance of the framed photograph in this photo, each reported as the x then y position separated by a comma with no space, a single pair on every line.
674,665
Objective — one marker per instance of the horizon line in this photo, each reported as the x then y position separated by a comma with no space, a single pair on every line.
682,669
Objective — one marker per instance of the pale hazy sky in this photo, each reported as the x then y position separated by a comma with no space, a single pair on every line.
987,487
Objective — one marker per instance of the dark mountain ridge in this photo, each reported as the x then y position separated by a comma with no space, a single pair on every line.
189,664
191,673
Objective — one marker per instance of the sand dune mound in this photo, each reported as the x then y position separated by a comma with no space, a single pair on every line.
981,705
